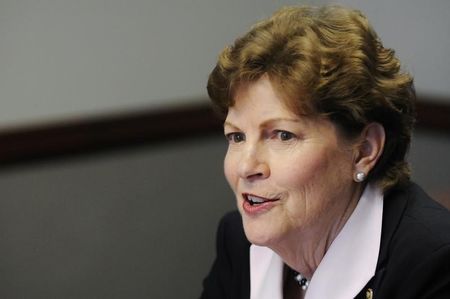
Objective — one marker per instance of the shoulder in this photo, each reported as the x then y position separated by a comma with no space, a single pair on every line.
232,220
423,223
229,276
415,247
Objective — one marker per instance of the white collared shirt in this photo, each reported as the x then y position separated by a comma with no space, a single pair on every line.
347,266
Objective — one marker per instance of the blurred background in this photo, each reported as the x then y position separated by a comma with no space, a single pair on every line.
110,160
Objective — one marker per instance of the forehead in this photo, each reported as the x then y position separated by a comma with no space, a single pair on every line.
293,97
260,98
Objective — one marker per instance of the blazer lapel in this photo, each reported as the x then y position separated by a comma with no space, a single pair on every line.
393,209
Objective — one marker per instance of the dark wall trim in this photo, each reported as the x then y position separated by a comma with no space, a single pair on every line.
433,116
84,136
144,127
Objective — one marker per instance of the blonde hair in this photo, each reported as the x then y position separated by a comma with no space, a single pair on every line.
326,61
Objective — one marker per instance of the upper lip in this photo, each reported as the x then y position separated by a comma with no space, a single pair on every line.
252,198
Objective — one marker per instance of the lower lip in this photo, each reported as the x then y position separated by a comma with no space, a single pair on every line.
256,209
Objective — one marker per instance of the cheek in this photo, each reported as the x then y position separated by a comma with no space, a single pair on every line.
301,171
312,173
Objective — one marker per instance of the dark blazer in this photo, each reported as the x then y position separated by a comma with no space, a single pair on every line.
414,259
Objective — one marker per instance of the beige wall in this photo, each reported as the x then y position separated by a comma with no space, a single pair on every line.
69,58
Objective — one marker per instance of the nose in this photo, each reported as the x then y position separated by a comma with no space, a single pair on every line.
253,165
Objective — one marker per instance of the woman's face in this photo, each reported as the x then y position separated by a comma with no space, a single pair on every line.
290,174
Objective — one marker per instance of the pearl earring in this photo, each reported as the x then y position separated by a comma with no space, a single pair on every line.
360,177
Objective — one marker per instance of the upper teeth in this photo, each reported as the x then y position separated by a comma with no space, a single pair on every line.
255,199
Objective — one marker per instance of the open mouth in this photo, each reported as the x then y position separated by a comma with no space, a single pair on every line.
257,200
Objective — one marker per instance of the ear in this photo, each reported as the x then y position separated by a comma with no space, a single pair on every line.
368,150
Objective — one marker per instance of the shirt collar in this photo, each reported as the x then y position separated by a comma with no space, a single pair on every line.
349,263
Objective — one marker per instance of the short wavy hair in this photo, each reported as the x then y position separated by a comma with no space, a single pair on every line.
326,61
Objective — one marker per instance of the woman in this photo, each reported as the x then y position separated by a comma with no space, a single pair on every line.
319,117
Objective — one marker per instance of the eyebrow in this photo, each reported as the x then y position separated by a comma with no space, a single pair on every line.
268,121
280,119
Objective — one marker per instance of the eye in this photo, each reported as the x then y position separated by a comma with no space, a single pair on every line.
235,137
285,135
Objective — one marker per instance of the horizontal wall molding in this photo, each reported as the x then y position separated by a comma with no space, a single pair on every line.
91,135
83,136
433,115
